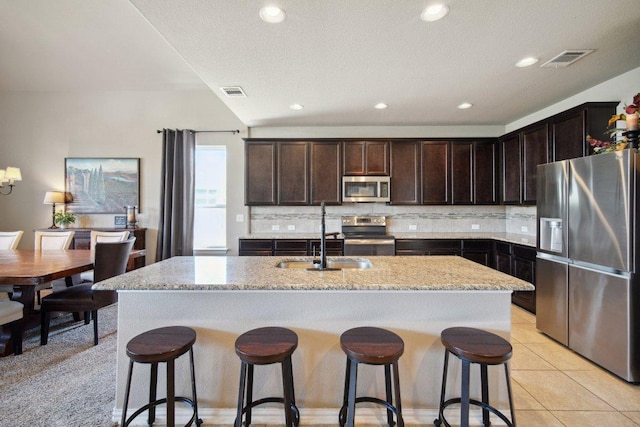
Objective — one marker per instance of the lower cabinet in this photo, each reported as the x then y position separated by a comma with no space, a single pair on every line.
519,261
479,250
428,247
288,247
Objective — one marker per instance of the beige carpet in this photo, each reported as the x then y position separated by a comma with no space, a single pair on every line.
66,383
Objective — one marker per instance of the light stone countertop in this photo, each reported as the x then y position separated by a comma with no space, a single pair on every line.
396,273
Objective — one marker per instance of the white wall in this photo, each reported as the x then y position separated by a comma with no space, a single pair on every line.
39,129
621,88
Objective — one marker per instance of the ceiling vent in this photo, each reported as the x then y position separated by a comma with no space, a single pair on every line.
233,92
567,58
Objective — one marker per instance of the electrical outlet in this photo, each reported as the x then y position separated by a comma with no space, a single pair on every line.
239,218
291,227
275,228
413,227
524,229
475,226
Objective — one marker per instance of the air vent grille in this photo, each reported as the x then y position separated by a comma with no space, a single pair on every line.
233,92
567,58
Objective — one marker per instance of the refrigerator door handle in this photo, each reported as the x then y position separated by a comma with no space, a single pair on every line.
601,269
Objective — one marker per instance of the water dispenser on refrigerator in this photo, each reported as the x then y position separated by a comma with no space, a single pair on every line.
551,234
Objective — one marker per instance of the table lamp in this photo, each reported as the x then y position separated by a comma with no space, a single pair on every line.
51,198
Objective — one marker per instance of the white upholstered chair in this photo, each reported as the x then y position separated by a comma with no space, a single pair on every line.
10,239
11,313
102,236
51,241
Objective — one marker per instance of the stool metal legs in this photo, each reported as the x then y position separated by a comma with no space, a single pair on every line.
465,401
170,400
346,415
291,413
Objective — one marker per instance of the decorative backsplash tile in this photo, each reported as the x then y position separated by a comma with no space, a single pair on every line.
483,219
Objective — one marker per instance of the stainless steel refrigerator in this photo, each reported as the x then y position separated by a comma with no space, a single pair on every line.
587,287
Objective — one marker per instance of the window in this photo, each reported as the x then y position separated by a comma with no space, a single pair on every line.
210,230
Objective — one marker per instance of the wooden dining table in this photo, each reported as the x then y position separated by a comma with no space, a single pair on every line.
22,270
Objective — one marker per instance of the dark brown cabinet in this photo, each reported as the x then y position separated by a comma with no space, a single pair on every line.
428,247
288,247
569,129
519,261
326,173
436,188
478,250
366,157
521,153
405,172
473,172
293,173
535,151
260,173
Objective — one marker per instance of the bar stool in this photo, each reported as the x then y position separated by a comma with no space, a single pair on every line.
473,345
155,346
372,346
264,346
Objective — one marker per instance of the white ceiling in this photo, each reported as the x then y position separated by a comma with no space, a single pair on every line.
338,58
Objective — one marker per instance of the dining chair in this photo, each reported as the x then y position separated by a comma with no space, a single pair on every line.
102,236
51,241
10,239
11,313
110,260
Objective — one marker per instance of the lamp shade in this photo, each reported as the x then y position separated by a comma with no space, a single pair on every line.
52,197
13,174
3,178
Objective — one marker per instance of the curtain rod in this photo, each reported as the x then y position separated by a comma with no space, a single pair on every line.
211,131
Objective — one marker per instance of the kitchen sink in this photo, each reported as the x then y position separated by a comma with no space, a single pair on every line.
333,264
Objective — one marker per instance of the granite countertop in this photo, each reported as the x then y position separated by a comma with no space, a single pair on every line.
521,239
395,273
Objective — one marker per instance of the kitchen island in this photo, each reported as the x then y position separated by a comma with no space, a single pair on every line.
222,297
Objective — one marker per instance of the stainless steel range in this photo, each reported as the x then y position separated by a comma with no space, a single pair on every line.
367,235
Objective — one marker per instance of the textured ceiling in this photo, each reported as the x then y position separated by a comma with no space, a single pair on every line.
337,58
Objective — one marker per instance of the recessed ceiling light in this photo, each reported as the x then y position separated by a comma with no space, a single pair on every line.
380,106
465,105
434,12
526,62
296,106
272,14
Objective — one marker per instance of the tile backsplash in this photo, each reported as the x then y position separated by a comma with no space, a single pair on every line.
400,219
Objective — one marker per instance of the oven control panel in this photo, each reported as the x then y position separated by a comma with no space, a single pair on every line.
364,220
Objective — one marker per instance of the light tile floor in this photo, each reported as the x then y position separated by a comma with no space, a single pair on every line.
553,386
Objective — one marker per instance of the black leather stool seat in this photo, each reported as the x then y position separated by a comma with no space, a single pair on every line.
473,345
264,346
372,346
153,347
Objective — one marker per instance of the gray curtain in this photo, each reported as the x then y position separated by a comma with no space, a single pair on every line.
175,230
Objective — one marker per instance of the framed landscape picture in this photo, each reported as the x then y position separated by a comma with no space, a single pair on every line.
102,185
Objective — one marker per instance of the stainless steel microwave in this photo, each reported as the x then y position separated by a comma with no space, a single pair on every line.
366,188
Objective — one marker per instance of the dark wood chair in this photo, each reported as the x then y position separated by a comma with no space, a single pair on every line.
110,260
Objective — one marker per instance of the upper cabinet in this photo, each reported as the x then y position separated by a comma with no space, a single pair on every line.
436,181
473,172
366,157
559,137
260,173
521,152
293,173
405,172
569,129
326,173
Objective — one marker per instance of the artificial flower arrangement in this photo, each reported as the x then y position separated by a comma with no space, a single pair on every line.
618,134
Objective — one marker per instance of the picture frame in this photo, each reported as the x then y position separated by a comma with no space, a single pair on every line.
102,185
120,221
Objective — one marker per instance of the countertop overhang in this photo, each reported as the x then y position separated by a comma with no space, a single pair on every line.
389,273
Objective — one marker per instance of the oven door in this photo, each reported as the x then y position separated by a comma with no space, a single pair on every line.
369,246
